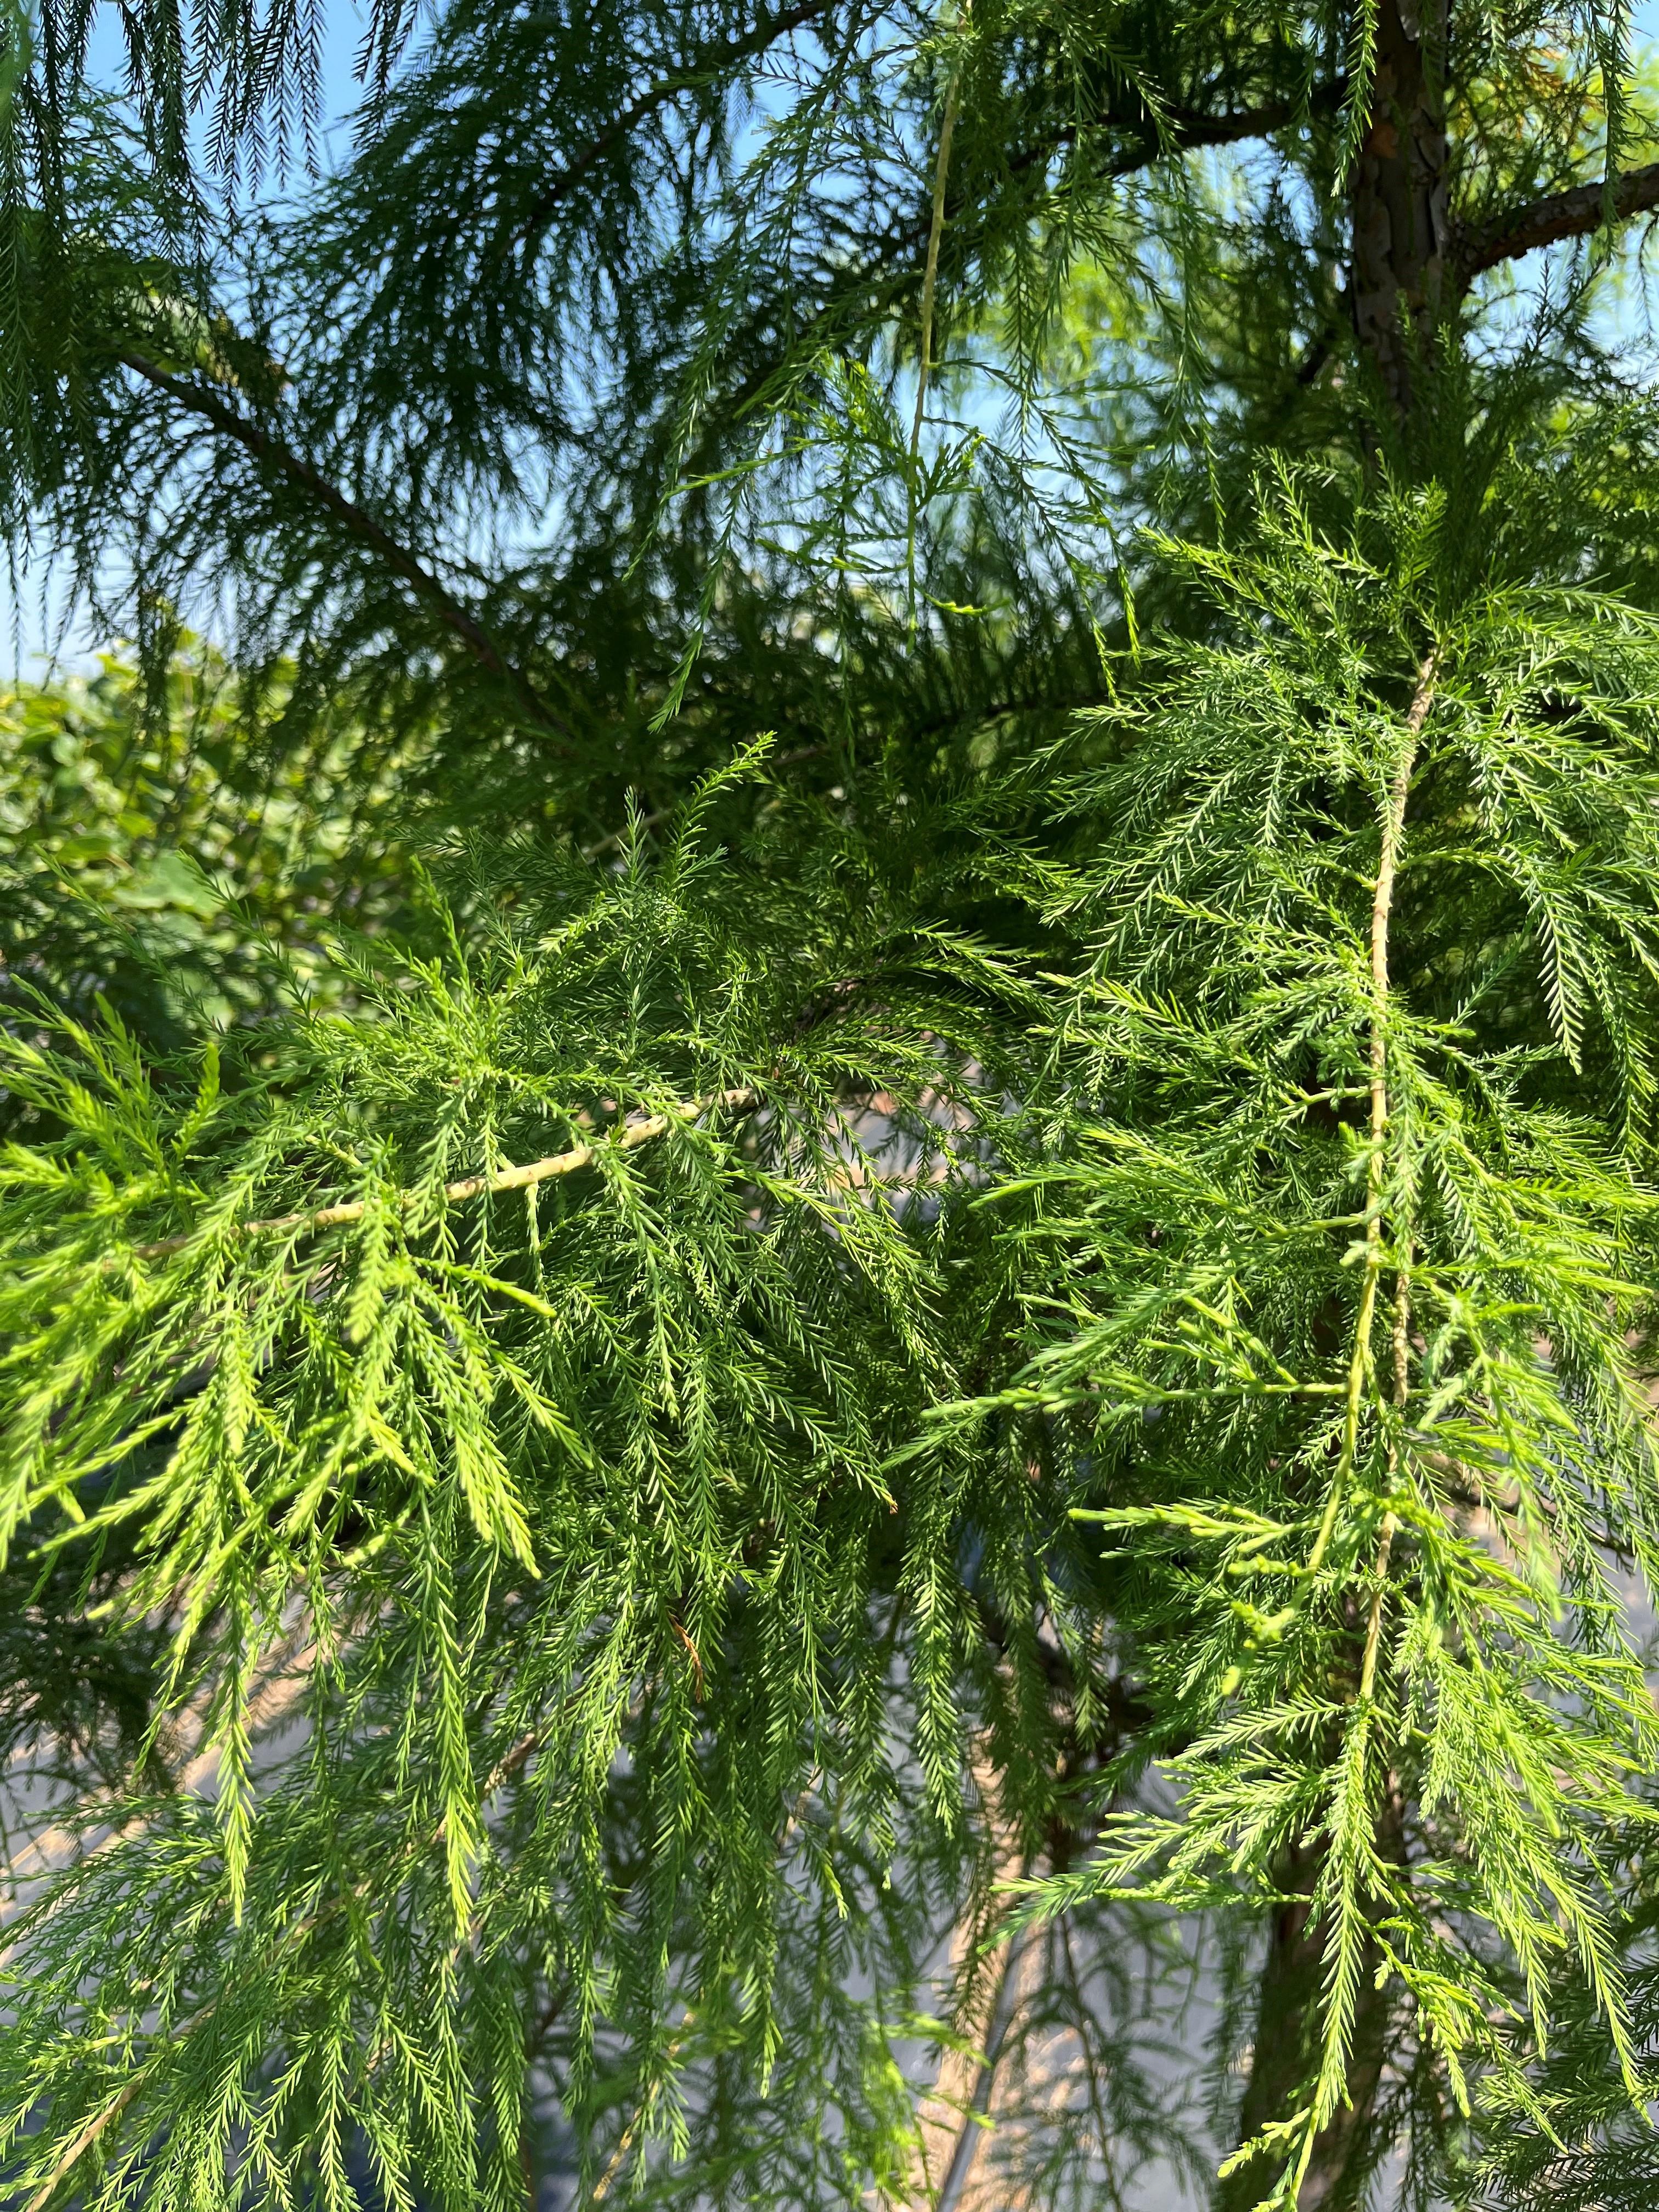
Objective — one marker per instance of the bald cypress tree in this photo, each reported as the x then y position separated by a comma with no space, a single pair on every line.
935,1324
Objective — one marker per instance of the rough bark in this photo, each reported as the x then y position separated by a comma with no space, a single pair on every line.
1549,221
1400,221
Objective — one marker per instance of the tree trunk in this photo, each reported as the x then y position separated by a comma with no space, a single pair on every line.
1400,214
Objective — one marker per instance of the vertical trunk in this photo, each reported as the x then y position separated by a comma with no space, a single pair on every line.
1399,217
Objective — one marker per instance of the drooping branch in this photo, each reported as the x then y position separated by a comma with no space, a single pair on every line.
1184,128
1548,221
893,262
1392,830
1295,1967
930,275
273,454
1189,130
295,1932
656,95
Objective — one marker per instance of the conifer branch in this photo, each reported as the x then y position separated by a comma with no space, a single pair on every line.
1191,131
1394,816
108,2113
105,2117
1550,220
886,269
656,95
930,274
1390,1530
274,453
271,1703
456,1194
641,2113
1214,1121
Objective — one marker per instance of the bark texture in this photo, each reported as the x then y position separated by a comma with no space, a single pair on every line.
1400,272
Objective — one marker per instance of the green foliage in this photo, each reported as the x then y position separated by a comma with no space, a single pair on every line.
152,855
583,1471
1412,1348
865,1116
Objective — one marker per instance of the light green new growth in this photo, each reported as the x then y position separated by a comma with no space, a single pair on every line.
827,1207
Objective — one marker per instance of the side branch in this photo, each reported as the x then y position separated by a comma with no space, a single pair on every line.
1393,830
655,95
104,2117
1547,221
457,1194
271,453
1190,129
1184,130
883,273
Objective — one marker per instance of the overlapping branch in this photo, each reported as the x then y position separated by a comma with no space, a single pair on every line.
274,454
457,1194
656,95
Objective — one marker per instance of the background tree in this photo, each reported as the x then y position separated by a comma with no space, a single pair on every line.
981,1225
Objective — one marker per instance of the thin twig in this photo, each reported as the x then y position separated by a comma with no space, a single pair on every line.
456,1194
935,234
83,2142
1402,1315
1392,830
708,66
1394,817
641,2112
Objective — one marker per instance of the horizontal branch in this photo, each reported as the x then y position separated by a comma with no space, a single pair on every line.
272,452
1186,130
457,1194
1549,220
882,273
1191,131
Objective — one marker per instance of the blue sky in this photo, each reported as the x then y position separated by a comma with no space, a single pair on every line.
31,633
27,627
